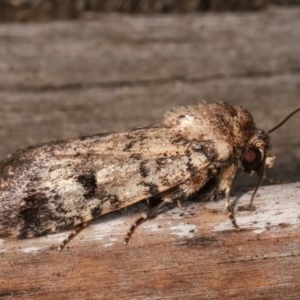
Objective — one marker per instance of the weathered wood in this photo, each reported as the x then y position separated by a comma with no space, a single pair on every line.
192,253
66,79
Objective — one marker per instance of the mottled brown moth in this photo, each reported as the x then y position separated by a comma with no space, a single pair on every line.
195,151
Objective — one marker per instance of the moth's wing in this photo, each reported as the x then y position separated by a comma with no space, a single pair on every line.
118,170
63,184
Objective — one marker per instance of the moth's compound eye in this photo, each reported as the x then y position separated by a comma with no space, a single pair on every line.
252,160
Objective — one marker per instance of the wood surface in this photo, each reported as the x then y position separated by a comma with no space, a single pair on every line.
190,253
65,79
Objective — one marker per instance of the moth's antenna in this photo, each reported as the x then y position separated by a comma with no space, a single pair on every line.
261,176
283,121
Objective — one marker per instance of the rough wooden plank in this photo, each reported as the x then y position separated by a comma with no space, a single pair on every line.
192,253
66,79
120,50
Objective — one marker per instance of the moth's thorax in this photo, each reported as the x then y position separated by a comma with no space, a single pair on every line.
217,121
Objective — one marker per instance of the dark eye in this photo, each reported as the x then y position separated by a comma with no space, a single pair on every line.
252,160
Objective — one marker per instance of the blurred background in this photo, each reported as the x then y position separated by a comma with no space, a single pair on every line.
71,68
29,10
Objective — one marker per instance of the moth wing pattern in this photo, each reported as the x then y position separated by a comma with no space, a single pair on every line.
60,185
63,184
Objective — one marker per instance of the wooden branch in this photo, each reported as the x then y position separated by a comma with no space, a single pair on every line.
191,253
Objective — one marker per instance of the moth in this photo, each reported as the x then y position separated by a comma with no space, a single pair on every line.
195,151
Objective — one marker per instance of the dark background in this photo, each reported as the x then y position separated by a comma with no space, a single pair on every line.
71,68
28,10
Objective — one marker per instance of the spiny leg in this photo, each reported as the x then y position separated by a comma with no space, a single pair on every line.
146,216
225,185
230,209
80,227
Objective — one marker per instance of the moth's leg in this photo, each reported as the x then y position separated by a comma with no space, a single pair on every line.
80,227
230,209
152,213
227,178
178,202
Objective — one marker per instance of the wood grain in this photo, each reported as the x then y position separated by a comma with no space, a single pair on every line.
65,79
191,253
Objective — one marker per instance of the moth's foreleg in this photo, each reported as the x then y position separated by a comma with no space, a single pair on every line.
230,209
80,227
226,180
146,216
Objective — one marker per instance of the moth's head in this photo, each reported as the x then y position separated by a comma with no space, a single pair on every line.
255,157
